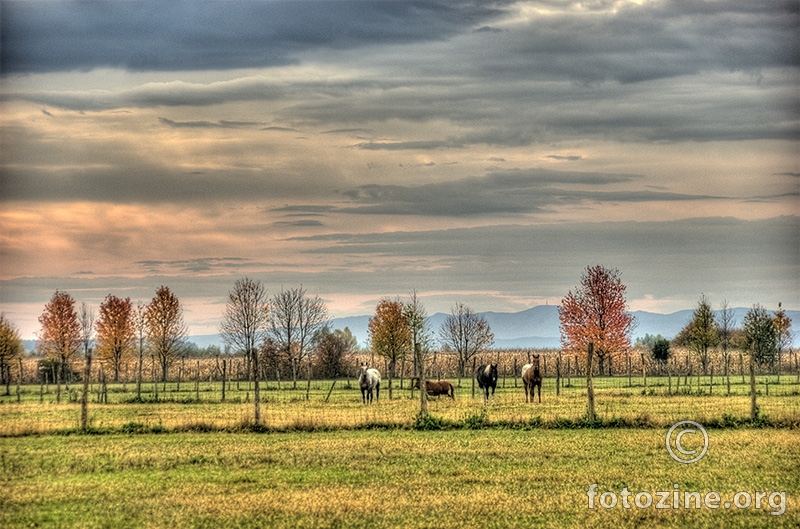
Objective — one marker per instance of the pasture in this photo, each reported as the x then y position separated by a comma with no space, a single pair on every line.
186,458
198,405
386,478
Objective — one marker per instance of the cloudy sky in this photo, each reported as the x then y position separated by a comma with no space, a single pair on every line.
474,151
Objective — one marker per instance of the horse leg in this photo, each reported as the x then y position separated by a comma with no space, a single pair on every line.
378,391
539,391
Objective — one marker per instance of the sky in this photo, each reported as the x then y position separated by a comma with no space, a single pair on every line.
476,152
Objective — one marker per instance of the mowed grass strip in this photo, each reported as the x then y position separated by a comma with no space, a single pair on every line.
481,478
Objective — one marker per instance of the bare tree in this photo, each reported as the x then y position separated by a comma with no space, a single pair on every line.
87,330
166,331
725,327
783,327
294,319
311,317
245,325
416,315
467,333
140,324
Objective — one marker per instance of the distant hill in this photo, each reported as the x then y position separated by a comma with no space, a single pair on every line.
536,327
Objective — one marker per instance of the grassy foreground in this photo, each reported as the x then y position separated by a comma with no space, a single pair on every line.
384,478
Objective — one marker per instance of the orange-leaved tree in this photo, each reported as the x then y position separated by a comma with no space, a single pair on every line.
594,320
166,331
60,338
116,333
390,334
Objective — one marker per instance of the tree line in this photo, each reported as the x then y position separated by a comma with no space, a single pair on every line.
289,331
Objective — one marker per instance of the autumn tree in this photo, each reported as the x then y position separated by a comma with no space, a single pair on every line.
245,325
466,333
116,332
166,331
60,337
390,334
10,350
701,333
294,320
594,319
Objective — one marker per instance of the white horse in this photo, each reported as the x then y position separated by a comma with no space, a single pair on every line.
369,379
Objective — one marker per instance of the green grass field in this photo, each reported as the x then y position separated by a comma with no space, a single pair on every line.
400,478
191,460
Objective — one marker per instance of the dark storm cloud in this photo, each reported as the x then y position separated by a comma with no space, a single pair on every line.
512,192
188,35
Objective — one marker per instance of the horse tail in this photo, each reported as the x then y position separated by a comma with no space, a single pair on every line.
452,391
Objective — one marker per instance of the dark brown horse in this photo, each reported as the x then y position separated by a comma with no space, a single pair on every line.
434,388
532,379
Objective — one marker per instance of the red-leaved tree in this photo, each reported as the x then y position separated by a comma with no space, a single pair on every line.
594,319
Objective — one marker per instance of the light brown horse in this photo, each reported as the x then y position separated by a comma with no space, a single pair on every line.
434,388
532,379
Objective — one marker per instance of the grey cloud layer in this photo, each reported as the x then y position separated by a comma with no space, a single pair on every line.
663,71
510,192
188,35
665,259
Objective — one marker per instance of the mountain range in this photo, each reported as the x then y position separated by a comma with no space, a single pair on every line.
537,327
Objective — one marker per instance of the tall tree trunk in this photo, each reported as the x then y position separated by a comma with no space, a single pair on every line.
590,413
139,375
85,395
753,404
257,389
423,393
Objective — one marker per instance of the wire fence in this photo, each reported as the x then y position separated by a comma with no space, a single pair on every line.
201,394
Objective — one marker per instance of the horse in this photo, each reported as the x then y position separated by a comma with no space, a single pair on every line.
436,388
486,375
532,379
369,379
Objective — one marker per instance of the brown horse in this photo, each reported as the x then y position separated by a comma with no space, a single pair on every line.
435,388
532,379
